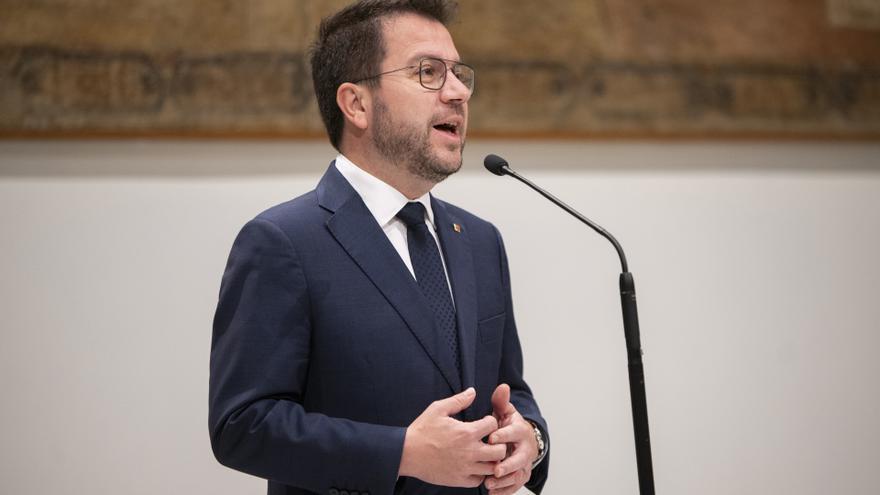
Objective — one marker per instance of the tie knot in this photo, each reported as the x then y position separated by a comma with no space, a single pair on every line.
412,214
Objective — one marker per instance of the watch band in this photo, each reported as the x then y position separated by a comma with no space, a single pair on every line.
542,446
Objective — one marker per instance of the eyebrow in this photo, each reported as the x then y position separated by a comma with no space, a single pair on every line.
415,58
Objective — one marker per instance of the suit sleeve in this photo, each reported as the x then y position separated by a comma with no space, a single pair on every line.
259,363
511,372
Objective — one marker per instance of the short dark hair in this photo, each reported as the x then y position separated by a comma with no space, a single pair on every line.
350,47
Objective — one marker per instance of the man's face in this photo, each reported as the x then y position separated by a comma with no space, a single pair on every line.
420,129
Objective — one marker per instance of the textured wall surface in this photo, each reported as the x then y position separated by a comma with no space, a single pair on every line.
572,67
755,263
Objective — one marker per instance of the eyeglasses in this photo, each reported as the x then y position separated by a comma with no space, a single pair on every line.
432,73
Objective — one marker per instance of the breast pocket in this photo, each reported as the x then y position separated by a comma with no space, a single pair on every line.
491,329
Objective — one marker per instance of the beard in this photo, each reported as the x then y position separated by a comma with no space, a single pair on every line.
409,147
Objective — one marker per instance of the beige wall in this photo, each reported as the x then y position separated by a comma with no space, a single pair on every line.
756,267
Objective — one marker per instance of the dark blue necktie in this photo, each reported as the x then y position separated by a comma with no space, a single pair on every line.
430,275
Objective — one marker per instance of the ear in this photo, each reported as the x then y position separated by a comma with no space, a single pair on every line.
354,102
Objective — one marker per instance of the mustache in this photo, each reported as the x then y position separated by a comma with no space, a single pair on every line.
458,112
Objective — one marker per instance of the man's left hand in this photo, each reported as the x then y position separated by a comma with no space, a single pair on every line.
522,446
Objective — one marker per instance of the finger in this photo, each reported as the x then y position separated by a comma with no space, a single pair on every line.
509,434
481,469
491,453
474,481
485,426
512,464
494,483
500,400
455,404
510,490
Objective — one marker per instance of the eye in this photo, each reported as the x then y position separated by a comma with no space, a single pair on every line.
428,72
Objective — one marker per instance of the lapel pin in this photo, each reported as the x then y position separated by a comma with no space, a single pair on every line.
456,227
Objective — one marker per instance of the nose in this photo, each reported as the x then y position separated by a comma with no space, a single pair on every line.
454,91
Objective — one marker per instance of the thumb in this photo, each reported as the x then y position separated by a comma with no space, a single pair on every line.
501,400
457,403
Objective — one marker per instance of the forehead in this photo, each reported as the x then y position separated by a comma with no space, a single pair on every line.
409,37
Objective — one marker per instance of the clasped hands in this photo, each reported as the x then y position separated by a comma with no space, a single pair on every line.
441,450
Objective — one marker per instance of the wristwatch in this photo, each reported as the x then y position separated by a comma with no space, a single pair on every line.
542,447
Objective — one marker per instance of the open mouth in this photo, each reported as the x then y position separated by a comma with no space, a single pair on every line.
448,127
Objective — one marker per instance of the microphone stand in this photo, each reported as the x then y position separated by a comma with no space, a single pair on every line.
630,329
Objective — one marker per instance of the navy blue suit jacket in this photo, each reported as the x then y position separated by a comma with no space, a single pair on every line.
324,349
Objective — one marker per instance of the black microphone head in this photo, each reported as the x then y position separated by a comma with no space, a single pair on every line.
495,164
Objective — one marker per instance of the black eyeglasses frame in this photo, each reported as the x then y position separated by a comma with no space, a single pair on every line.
449,68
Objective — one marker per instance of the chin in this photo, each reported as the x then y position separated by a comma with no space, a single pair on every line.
439,166
451,160
451,151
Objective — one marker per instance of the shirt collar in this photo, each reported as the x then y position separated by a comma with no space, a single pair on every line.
381,199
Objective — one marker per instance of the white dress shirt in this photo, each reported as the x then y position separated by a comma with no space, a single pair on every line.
384,202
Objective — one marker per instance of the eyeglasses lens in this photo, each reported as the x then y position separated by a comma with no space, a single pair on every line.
432,74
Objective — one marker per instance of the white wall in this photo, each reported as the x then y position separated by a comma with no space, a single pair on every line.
756,268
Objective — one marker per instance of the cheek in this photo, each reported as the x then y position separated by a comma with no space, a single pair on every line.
411,115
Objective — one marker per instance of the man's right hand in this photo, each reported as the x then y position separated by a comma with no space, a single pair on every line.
441,450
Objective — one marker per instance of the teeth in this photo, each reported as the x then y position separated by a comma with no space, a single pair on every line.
448,127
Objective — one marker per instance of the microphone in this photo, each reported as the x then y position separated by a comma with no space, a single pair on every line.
499,166
638,400
496,165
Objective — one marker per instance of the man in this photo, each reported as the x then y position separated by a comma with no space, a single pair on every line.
349,355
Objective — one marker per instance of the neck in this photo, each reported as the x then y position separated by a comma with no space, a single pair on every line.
392,173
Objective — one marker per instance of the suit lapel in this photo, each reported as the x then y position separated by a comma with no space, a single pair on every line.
355,228
456,245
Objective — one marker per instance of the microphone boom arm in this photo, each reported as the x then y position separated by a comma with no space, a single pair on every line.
593,225
638,400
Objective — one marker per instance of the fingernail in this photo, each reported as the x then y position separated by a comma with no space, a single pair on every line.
470,390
